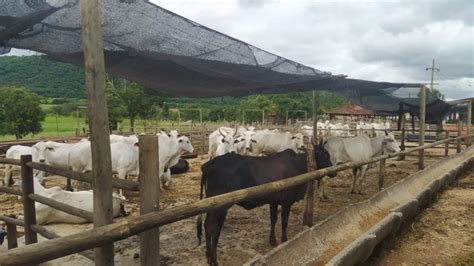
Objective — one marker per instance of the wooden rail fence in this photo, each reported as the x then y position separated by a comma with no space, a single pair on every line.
82,242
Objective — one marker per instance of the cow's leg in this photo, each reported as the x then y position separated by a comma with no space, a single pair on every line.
322,188
273,221
354,180
8,178
285,213
363,169
209,228
220,218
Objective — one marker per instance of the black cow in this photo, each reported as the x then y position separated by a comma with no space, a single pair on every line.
181,167
232,172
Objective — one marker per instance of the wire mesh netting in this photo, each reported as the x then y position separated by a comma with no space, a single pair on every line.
169,53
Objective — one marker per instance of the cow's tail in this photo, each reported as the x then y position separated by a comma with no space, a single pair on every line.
199,218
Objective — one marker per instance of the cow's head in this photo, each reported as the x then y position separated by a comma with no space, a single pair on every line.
392,144
185,144
297,142
322,157
227,143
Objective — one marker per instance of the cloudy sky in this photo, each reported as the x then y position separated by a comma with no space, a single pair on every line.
374,40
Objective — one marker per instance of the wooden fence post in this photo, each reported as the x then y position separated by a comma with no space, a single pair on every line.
29,211
149,197
203,140
94,69
12,235
469,123
458,146
402,142
382,166
446,147
421,132
309,208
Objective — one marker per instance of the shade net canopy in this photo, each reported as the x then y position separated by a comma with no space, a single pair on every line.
171,54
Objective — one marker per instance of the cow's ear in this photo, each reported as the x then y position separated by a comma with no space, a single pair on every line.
254,141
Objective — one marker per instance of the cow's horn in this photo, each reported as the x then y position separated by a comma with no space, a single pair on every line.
321,143
220,132
235,132
386,132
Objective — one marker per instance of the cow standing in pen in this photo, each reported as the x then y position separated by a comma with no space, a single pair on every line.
232,172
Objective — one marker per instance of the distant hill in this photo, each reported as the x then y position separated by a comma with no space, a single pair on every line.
45,77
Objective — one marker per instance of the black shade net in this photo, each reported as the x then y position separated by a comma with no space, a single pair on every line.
171,54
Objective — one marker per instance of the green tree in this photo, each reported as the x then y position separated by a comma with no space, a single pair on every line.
134,98
20,112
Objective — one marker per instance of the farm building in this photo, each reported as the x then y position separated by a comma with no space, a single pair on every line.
350,110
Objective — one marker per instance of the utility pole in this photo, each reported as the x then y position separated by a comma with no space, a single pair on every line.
433,69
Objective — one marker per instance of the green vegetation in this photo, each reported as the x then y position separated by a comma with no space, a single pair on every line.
61,87
20,112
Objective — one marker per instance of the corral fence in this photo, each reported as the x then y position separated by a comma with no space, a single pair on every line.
150,217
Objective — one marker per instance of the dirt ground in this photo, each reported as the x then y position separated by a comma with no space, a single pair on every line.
442,235
245,233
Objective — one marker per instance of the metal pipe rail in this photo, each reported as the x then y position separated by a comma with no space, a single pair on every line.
96,237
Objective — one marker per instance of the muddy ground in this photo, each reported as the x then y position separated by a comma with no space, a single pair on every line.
245,233
443,234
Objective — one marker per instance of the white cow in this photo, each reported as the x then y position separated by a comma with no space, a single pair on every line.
74,156
124,156
222,141
116,138
81,199
269,143
15,152
243,142
171,148
359,148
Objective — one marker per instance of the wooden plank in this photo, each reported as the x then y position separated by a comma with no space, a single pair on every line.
402,138
62,207
421,134
382,167
134,225
12,236
149,197
29,211
84,177
309,207
469,123
446,147
458,142
11,190
98,123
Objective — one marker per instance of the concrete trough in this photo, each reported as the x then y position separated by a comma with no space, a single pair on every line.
349,236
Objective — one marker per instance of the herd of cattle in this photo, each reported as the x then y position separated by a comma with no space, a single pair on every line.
239,158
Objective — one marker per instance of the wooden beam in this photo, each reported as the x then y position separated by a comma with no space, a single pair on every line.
62,207
458,142
11,190
446,147
29,211
137,224
149,197
469,123
12,236
309,207
83,177
402,137
98,122
421,133
382,167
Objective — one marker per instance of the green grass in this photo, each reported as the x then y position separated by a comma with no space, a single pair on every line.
65,126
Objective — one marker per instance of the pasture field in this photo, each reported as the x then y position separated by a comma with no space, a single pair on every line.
245,233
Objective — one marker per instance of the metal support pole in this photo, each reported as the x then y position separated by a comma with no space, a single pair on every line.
149,197
263,117
286,118
29,210
421,133
98,123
